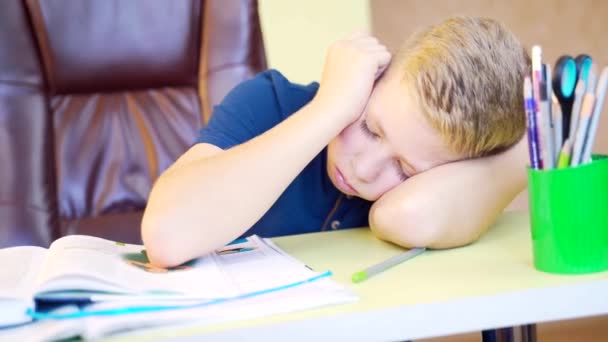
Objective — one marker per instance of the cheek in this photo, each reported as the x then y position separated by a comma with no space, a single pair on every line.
389,180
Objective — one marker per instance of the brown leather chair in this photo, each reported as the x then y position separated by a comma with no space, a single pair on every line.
97,98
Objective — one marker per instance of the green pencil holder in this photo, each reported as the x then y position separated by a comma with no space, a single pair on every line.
569,217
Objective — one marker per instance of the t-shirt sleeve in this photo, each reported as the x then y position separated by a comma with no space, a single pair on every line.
250,109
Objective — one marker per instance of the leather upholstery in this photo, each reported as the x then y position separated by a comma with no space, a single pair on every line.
97,98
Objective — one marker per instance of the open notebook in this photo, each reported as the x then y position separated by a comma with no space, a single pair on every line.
99,287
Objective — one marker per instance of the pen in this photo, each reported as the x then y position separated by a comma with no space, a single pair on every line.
548,76
575,117
533,147
235,250
541,134
600,95
546,119
583,125
397,259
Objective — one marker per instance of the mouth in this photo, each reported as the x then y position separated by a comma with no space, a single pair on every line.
343,185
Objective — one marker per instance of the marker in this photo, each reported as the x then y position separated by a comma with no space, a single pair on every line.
397,259
564,156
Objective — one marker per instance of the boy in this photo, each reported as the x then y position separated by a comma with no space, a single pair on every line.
278,158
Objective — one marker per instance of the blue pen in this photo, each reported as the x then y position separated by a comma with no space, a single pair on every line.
235,250
530,108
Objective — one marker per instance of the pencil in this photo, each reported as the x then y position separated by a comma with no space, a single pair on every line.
397,259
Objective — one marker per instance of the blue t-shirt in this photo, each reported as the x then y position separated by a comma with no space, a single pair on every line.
310,203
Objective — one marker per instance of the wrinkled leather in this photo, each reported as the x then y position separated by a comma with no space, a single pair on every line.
98,98
27,205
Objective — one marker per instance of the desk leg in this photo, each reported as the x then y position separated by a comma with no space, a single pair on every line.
523,333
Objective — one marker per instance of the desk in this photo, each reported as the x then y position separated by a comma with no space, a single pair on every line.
486,285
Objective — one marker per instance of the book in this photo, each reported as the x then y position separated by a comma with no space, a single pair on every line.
83,278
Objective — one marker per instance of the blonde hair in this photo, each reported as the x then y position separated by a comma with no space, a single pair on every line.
467,75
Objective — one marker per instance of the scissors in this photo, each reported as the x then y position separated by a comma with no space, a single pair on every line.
568,71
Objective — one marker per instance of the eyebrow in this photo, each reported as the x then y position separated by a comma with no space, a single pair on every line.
402,159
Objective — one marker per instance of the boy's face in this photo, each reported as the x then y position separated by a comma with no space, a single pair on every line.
390,142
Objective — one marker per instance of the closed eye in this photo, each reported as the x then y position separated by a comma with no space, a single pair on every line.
367,131
402,175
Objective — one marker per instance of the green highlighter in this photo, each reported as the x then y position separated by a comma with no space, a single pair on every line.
397,259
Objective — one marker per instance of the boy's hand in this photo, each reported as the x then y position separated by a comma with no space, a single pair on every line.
351,67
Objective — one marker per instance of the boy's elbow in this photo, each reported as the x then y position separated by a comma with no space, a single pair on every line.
403,223
160,247
411,224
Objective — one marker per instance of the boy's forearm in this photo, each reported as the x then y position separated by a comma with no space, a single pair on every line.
201,204
453,204
210,197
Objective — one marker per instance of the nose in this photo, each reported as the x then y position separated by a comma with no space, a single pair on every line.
367,166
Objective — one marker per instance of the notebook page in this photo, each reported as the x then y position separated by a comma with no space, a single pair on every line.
126,266
248,266
20,268
254,265
312,295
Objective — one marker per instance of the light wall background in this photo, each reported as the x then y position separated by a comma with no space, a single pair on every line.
297,33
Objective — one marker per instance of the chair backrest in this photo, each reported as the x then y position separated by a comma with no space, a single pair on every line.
97,98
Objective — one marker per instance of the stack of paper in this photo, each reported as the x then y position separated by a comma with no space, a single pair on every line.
122,291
